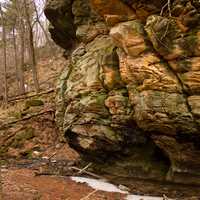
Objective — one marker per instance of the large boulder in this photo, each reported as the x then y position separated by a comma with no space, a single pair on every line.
130,95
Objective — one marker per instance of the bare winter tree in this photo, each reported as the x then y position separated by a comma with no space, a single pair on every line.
4,54
31,46
21,31
15,54
26,39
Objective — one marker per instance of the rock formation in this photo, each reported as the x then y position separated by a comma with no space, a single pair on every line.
130,97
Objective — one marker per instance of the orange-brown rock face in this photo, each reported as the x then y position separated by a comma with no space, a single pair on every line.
112,7
113,11
133,88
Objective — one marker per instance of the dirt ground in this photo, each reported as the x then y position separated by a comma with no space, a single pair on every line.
48,178
22,184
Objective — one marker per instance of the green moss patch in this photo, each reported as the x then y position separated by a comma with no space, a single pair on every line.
33,103
21,137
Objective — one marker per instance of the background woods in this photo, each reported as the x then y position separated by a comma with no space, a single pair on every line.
24,40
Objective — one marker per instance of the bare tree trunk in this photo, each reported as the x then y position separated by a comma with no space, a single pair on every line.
22,48
22,51
31,48
4,56
15,55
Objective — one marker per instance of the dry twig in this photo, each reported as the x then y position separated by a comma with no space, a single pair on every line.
89,195
168,4
165,197
86,172
86,167
26,118
22,97
169,7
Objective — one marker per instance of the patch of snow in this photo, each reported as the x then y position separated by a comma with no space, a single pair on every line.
136,197
102,185
98,184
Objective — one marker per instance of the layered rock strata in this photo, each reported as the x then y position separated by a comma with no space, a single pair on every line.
131,93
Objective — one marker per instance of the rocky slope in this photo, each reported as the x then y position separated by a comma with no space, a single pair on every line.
130,97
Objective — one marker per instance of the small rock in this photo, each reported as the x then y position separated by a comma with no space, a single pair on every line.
36,153
4,170
45,157
58,146
124,188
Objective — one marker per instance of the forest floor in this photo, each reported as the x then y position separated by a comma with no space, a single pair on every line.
50,178
34,181
35,161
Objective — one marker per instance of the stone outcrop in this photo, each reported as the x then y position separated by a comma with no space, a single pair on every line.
130,96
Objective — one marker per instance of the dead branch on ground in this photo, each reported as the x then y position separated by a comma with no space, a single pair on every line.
26,118
89,195
86,172
22,97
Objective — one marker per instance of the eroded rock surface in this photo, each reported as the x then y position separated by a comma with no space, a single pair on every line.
130,95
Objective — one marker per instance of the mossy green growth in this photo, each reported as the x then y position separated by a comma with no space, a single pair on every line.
3,162
184,65
3,150
189,44
26,134
100,99
21,137
33,103
16,115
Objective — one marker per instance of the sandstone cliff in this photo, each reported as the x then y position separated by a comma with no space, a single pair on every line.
130,97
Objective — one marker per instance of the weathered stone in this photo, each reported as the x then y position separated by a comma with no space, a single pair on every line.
112,20
85,94
112,7
186,65
62,26
162,112
147,72
131,96
169,40
83,14
130,37
86,33
188,71
193,102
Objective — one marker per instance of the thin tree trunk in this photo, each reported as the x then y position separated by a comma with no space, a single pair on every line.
22,48
4,56
15,55
31,48
21,67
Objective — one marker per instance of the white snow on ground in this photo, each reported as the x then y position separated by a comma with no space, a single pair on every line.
98,184
102,185
136,197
